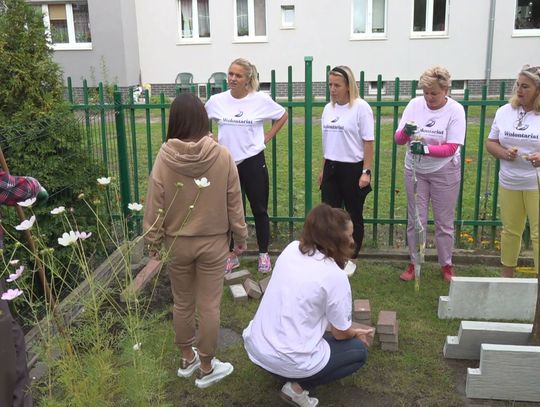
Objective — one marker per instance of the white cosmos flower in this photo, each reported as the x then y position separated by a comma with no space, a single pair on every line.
104,180
11,294
137,346
68,238
16,275
26,224
58,211
14,262
202,183
27,203
134,206
83,235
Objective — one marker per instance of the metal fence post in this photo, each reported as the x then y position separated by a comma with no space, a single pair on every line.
123,165
308,148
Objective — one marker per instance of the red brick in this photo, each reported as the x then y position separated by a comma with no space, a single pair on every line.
386,324
361,310
147,273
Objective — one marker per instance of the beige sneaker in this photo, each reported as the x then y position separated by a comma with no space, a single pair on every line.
297,399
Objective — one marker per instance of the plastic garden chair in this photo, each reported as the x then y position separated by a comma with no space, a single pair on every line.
216,82
184,81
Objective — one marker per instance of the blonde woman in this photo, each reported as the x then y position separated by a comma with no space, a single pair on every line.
240,113
440,122
515,140
347,127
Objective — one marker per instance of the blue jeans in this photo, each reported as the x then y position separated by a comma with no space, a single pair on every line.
346,357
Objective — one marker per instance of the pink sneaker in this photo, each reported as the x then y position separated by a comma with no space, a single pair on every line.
265,264
231,263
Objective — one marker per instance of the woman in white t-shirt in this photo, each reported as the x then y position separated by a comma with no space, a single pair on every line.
309,292
440,122
240,113
515,140
347,137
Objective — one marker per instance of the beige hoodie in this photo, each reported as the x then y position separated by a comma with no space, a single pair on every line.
172,191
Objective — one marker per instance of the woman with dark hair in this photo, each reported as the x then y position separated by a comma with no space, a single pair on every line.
308,292
347,126
514,140
193,205
240,113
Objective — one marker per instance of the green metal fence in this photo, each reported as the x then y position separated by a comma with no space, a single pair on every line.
126,136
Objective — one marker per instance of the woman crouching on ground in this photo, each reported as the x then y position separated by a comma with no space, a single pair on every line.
308,292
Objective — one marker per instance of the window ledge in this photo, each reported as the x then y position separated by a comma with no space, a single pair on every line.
287,28
194,41
429,36
367,37
535,32
83,46
243,40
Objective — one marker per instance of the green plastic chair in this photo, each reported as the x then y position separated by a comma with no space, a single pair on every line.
216,82
184,81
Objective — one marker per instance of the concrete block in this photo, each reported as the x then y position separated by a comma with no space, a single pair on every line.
389,346
393,337
506,372
472,334
361,310
364,321
238,292
490,298
386,323
264,283
236,277
252,288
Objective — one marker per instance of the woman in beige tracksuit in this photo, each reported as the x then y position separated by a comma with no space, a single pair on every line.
193,203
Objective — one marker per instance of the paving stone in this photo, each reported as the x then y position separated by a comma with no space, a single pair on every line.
389,346
472,334
364,321
393,337
236,277
506,372
252,288
361,310
264,283
238,292
386,323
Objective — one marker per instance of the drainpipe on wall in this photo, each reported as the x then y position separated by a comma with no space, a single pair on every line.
489,50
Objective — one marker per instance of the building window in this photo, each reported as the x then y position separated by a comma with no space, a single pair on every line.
287,17
194,19
372,88
527,19
368,18
458,87
68,25
430,17
250,20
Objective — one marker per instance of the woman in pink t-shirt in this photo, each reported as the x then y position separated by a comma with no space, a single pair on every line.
439,124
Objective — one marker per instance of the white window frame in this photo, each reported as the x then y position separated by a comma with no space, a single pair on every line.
458,91
71,45
195,39
284,24
251,24
429,33
372,88
526,32
369,35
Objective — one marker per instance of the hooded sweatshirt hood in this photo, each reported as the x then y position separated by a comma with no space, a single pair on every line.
192,159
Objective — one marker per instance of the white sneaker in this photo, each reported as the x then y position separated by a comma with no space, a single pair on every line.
297,399
219,371
187,368
350,268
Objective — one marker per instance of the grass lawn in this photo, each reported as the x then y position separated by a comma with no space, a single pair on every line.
416,375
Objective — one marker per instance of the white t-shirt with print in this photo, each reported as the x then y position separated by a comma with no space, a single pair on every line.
344,130
305,293
518,174
444,125
240,121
